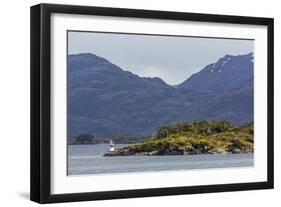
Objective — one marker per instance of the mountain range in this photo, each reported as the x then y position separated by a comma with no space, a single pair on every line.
105,100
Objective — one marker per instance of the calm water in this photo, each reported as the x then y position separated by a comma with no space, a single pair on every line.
88,159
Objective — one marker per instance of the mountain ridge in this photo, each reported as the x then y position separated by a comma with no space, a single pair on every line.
105,100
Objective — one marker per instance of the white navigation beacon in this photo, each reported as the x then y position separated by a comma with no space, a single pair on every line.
111,146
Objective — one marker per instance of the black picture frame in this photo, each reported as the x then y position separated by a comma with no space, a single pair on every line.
40,184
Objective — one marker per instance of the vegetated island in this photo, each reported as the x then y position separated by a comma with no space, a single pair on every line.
201,137
87,138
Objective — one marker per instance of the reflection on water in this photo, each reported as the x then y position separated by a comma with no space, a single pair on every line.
88,159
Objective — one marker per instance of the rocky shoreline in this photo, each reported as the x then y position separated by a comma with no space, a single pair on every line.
128,152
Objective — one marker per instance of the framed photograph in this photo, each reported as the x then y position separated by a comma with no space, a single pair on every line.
132,103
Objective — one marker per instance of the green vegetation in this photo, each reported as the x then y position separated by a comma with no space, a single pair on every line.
203,137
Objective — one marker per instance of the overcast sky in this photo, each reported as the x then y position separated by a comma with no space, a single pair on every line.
173,59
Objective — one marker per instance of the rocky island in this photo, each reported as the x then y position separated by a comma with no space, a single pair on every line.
202,137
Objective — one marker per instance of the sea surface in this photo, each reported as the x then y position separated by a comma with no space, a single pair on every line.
88,159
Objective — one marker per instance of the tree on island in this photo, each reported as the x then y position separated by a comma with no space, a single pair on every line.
196,127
